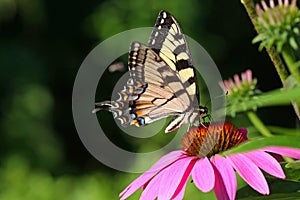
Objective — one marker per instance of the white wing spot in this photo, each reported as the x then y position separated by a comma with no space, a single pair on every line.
162,21
164,15
182,56
156,34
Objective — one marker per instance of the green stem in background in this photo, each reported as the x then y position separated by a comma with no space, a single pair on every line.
283,74
278,130
289,58
258,124
276,97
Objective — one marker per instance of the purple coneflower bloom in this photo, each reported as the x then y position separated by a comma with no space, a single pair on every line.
278,24
199,159
238,85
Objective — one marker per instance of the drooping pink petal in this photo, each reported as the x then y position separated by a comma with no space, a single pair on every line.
285,151
179,193
136,184
144,178
151,190
225,179
219,187
203,175
172,177
266,162
249,172
166,160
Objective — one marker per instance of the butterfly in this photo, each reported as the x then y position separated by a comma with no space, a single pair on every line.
162,81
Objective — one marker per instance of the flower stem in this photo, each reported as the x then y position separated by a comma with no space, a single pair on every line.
258,124
282,72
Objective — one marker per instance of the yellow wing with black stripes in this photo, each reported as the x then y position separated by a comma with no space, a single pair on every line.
162,80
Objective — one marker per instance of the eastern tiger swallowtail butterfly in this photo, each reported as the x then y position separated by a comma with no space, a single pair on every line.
162,80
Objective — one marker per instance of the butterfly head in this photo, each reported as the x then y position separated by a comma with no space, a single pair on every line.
202,110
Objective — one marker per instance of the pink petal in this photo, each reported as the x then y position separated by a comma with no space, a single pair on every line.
222,85
266,162
172,178
237,80
151,190
225,179
144,178
136,184
280,2
179,193
249,172
231,83
264,5
166,160
286,2
203,175
285,151
249,75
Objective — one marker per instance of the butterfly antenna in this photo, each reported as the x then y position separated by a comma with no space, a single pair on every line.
104,105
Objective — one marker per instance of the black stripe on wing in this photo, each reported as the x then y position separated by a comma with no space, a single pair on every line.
168,41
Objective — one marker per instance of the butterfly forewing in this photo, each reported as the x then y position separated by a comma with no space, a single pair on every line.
168,41
164,94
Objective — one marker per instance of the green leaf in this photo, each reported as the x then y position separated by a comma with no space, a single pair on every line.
292,173
290,82
293,43
294,165
279,190
259,38
287,141
297,64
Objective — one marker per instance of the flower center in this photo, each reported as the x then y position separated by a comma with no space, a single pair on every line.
212,138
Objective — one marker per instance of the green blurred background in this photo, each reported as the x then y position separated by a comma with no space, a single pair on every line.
42,45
